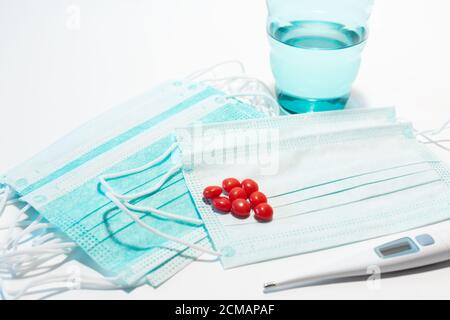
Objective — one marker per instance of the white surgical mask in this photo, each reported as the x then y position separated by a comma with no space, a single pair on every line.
330,188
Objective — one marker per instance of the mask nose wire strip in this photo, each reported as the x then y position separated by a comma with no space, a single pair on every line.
197,74
103,181
155,231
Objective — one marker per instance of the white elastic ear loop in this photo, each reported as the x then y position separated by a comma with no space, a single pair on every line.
103,179
163,214
443,128
12,201
274,106
228,81
14,223
20,224
25,261
33,227
4,199
19,261
439,143
43,248
197,74
155,211
84,282
155,231
50,248
435,132
164,179
154,188
34,263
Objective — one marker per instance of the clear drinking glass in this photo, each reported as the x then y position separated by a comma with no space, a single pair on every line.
316,48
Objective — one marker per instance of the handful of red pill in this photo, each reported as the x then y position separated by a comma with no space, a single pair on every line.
242,198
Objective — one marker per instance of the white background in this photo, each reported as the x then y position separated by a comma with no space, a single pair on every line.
56,73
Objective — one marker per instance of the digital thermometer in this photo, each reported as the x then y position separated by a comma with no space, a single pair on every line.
402,251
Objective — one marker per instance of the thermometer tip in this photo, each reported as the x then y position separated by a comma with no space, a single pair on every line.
269,286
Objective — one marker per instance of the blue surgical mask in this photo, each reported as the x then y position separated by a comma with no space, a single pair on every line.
330,188
62,183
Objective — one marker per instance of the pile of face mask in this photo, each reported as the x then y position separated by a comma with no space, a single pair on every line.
127,187
63,205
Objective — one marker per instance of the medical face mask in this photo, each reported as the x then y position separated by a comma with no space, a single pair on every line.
311,124
308,124
62,183
328,188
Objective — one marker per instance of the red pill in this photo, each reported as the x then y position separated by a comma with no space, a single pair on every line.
241,208
230,183
263,212
237,193
212,192
222,204
249,186
257,198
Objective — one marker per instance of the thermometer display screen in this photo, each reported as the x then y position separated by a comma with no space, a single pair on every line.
397,248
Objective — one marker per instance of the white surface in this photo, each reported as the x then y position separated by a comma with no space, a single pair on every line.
55,74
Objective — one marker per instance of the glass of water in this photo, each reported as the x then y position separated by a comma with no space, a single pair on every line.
316,48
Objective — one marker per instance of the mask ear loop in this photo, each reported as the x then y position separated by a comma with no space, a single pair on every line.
20,262
197,74
4,199
29,260
229,80
20,224
273,108
83,282
155,231
15,222
23,260
273,111
438,131
33,261
103,181
428,140
153,189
